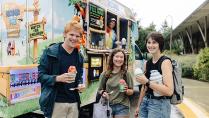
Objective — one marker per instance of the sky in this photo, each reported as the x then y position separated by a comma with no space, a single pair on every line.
174,11
157,11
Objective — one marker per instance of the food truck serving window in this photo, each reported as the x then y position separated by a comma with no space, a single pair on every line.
97,40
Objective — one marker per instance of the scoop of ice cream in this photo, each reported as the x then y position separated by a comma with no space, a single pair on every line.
138,72
72,69
121,81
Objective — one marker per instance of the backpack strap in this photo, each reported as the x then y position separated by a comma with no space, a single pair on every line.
161,61
148,63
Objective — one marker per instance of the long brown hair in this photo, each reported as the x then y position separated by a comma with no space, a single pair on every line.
111,64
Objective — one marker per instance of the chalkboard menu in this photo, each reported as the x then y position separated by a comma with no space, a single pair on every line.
96,17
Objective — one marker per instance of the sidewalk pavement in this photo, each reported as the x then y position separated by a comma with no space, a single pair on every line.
196,99
190,109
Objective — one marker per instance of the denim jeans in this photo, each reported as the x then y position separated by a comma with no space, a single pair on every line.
120,110
154,108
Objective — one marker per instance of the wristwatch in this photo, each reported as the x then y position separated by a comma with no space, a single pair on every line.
148,83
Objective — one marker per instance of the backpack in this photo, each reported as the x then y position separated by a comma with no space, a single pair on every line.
177,96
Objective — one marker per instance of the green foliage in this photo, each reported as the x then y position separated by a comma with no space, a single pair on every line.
168,52
143,32
177,46
187,71
72,2
151,27
166,31
201,68
186,62
142,39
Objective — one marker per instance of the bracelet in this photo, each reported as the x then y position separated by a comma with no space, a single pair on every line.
148,83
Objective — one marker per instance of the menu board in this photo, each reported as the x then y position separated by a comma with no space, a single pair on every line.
96,17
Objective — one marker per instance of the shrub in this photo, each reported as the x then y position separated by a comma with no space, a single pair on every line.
168,52
187,71
201,68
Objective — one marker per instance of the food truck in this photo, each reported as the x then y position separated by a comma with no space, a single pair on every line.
30,26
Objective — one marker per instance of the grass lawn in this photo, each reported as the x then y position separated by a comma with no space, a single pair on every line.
188,59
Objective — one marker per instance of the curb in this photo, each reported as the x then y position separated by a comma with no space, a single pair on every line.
191,110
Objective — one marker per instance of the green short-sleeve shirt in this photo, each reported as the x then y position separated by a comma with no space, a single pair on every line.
112,84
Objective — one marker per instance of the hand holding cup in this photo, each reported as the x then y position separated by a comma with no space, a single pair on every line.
72,73
65,78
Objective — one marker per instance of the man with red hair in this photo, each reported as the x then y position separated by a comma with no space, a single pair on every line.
59,89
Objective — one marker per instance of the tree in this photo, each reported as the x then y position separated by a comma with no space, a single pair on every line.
151,27
141,41
143,32
166,31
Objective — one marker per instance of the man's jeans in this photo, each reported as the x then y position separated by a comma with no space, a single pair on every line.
155,108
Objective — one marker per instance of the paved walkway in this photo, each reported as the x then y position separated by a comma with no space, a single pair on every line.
196,99
197,91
